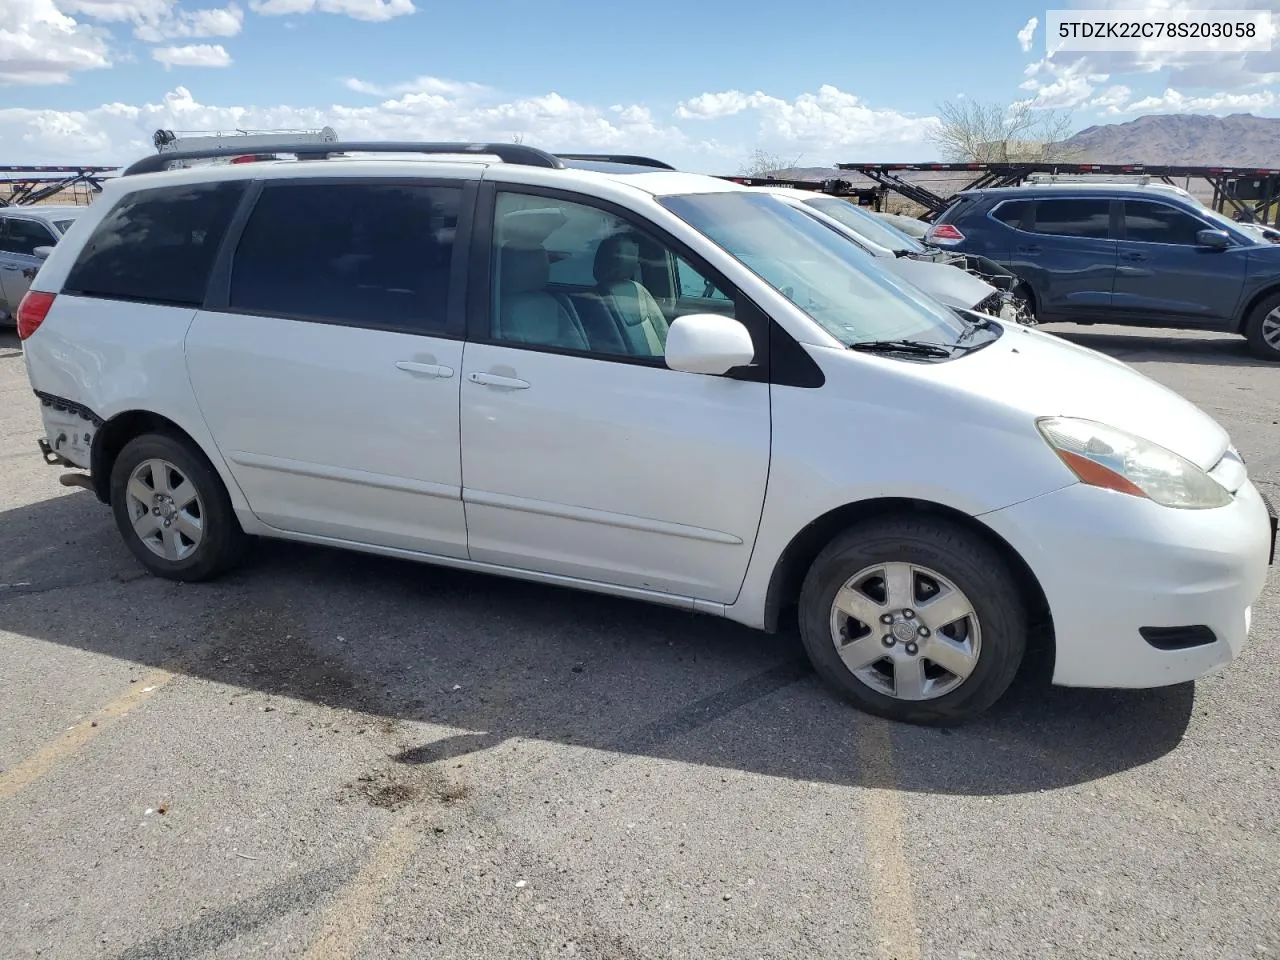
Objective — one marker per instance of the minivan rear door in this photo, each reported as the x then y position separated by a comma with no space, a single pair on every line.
328,356
1068,250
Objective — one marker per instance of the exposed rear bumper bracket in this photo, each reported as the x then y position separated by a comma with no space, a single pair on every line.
52,458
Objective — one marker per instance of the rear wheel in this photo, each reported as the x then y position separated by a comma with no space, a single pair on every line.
172,509
1263,329
914,620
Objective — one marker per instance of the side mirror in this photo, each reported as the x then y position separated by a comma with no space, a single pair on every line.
42,252
1213,239
708,343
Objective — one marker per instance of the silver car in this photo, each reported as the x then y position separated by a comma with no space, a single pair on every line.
26,236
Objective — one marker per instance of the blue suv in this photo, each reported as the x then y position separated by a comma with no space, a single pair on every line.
1131,254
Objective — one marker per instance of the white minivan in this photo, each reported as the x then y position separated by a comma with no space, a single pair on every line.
658,385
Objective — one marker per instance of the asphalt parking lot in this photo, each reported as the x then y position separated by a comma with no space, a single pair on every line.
334,756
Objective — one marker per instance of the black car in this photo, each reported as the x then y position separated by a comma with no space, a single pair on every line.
1131,254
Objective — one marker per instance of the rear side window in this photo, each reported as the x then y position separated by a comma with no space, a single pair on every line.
362,254
1011,212
1070,217
23,236
157,246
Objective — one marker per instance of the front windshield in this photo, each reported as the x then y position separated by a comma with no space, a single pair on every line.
1233,228
818,270
864,224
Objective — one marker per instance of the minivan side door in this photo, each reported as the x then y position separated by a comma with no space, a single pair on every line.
19,238
1163,274
326,359
1067,251
583,454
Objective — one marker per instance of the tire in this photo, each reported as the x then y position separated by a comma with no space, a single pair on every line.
191,555
1264,336
943,557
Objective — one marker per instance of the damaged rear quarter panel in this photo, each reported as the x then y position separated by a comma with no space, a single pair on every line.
102,358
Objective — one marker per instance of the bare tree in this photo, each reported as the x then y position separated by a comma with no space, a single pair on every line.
977,132
762,164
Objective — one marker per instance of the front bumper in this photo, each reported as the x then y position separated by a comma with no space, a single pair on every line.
1113,567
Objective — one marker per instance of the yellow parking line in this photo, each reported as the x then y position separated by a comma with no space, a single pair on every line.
346,922
893,910
28,771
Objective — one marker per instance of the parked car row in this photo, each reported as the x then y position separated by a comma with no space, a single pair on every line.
617,377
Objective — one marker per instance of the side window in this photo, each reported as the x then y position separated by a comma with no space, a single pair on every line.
23,236
692,285
1150,222
575,277
157,246
1074,218
363,254
1011,212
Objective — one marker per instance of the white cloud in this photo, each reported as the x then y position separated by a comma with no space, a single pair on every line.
225,21
1026,36
117,133
1171,101
1113,96
431,85
374,11
118,11
193,55
1060,86
40,44
827,120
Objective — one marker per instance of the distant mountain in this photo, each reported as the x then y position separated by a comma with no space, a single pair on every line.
1240,139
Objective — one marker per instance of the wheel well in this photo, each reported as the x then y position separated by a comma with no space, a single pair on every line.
793,565
112,437
1252,305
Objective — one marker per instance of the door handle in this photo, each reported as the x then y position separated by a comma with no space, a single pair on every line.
426,369
1032,248
493,380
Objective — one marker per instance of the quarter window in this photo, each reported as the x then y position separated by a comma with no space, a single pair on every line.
157,246
364,254
23,236
1074,218
575,277
1150,222
1011,212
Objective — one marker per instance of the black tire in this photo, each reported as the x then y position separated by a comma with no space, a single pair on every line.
1253,329
956,554
222,541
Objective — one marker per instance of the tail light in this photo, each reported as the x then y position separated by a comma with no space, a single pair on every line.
943,233
32,310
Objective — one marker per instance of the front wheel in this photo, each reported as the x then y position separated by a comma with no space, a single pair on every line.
172,509
1263,329
914,620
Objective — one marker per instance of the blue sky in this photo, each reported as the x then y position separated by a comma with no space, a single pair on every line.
702,84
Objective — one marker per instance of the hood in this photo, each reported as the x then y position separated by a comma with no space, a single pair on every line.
1047,376
943,282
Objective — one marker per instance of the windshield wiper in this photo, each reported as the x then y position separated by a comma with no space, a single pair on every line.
919,347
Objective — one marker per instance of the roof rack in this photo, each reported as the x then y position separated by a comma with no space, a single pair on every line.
618,158
507,152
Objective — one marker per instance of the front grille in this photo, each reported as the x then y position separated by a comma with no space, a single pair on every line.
1177,638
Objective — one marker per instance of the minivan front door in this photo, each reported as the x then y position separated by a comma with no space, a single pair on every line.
328,372
583,455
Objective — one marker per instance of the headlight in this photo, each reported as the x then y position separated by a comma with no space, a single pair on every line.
1104,456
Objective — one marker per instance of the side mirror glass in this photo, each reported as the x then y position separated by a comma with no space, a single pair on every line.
708,343
42,252
1213,239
